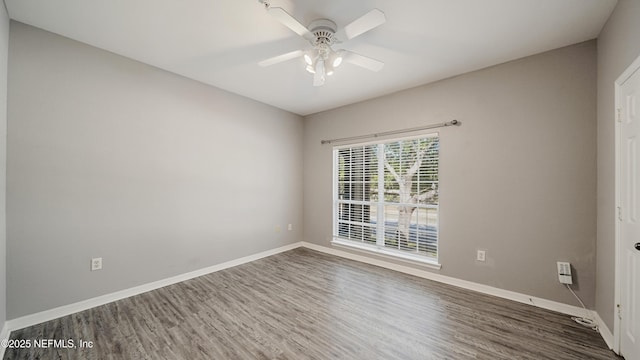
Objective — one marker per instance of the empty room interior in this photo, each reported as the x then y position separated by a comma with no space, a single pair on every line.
296,179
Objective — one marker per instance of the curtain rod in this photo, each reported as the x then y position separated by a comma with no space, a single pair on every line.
432,126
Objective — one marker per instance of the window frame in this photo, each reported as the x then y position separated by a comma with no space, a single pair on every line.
376,249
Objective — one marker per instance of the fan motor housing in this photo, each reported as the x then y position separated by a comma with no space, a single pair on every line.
323,30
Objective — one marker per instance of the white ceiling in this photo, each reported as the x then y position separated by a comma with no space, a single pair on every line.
220,42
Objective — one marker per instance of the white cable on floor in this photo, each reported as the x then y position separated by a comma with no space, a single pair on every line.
584,321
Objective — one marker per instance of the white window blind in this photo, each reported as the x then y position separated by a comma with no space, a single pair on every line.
386,195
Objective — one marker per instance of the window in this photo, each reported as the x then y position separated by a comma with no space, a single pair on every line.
386,197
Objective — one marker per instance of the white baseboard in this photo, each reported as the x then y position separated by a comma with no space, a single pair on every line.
604,330
485,289
65,310
4,334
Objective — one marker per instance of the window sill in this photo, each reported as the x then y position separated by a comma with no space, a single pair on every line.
413,259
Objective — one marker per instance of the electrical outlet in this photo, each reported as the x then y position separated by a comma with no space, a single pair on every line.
96,264
564,273
481,255
290,227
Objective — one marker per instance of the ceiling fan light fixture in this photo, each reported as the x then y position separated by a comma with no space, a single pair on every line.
320,68
329,68
336,58
320,75
322,60
308,59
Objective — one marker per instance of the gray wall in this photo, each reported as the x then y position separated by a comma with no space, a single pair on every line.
618,47
518,178
157,174
4,51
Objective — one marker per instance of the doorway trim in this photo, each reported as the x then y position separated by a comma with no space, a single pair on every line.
631,70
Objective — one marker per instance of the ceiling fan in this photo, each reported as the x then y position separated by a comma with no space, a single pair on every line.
322,59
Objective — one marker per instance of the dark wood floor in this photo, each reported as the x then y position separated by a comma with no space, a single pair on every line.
306,305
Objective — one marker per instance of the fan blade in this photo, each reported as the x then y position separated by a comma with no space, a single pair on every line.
289,21
361,25
281,58
363,61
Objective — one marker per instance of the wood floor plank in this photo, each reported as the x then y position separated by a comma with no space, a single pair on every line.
307,305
